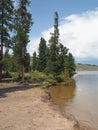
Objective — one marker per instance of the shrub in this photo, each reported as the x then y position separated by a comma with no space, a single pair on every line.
59,79
38,77
6,75
15,76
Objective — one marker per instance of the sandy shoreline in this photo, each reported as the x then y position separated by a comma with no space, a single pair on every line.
26,108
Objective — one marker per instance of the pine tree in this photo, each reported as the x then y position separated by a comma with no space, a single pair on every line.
6,18
70,65
22,27
7,62
59,59
62,58
54,53
52,64
34,61
42,55
27,62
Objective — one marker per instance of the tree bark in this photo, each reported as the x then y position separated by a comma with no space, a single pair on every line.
1,56
0,67
1,46
22,66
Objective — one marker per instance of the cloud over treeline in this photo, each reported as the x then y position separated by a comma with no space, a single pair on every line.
78,32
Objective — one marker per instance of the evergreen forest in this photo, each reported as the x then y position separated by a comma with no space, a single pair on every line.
51,64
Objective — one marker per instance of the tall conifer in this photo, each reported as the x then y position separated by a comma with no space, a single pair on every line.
70,65
42,55
22,28
54,48
34,61
6,18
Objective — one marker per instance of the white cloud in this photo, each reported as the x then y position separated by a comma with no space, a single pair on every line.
33,45
79,33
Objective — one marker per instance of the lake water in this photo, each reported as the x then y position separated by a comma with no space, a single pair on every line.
81,100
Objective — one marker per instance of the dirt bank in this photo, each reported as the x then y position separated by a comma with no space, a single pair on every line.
24,108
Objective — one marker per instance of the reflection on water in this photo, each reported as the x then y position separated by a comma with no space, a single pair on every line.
82,100
62,95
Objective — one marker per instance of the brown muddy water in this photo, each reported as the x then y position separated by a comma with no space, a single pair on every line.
80,100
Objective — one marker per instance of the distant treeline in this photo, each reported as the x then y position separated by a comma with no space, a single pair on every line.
88,67
87,64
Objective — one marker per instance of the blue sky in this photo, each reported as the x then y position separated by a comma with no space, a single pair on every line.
43,11
72,13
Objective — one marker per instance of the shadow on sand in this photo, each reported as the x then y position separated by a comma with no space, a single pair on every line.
3,91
